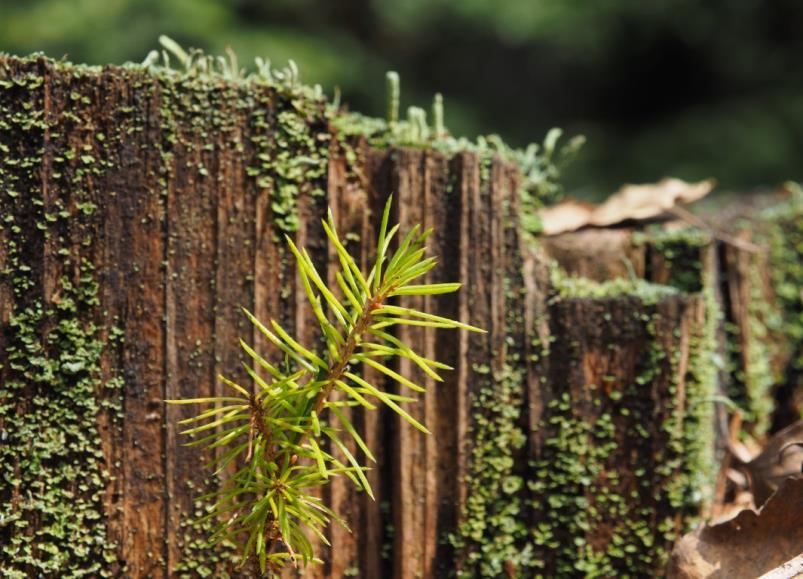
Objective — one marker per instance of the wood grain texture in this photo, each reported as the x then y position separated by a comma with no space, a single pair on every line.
598,254
142,250
185,233
341,495
112,195
409,466
440,515
376,426
623,362
193,203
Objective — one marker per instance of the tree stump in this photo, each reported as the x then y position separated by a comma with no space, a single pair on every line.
621,452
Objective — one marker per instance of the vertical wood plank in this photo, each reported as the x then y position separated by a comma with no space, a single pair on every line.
272,300
267,259
192,208
375,425
348,201
441,212
142,248
236,241
105,257
22,213
467,171
409,466
305,327
115,114
227,161
494,217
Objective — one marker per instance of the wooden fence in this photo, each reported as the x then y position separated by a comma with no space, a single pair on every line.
140,211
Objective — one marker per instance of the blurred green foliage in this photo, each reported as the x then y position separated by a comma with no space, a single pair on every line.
690,88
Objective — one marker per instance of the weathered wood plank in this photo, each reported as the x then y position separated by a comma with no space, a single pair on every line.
748,301
607,471
104,212
409,466
348,203
467,183
267,257
226,158
305,328
375,425
598,254
193,207
24,289
442,211
142,249
422,179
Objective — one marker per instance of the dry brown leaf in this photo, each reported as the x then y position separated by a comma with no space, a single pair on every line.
631,202
645,201
749,545
781,458
570,215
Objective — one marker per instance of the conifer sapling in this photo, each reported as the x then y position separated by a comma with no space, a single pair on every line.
277,435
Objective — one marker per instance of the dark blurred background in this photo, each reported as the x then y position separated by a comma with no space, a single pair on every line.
689,88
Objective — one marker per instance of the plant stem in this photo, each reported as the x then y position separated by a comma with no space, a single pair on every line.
337,369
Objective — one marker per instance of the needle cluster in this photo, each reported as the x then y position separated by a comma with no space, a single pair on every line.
280,433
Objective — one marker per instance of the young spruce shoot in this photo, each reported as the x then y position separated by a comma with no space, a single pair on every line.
279,434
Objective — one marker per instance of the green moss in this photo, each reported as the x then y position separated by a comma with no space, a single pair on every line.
568,286
493,535
759,346
292,144
199,558
578,482
681,252
573,461
52,464
752,379
699,464
749,362
785,241
494,524
53,459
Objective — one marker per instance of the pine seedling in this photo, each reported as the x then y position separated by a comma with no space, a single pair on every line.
279,435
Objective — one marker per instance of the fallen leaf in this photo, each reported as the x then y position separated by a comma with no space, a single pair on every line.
749,545
631,202
567,216
781,458
646,201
